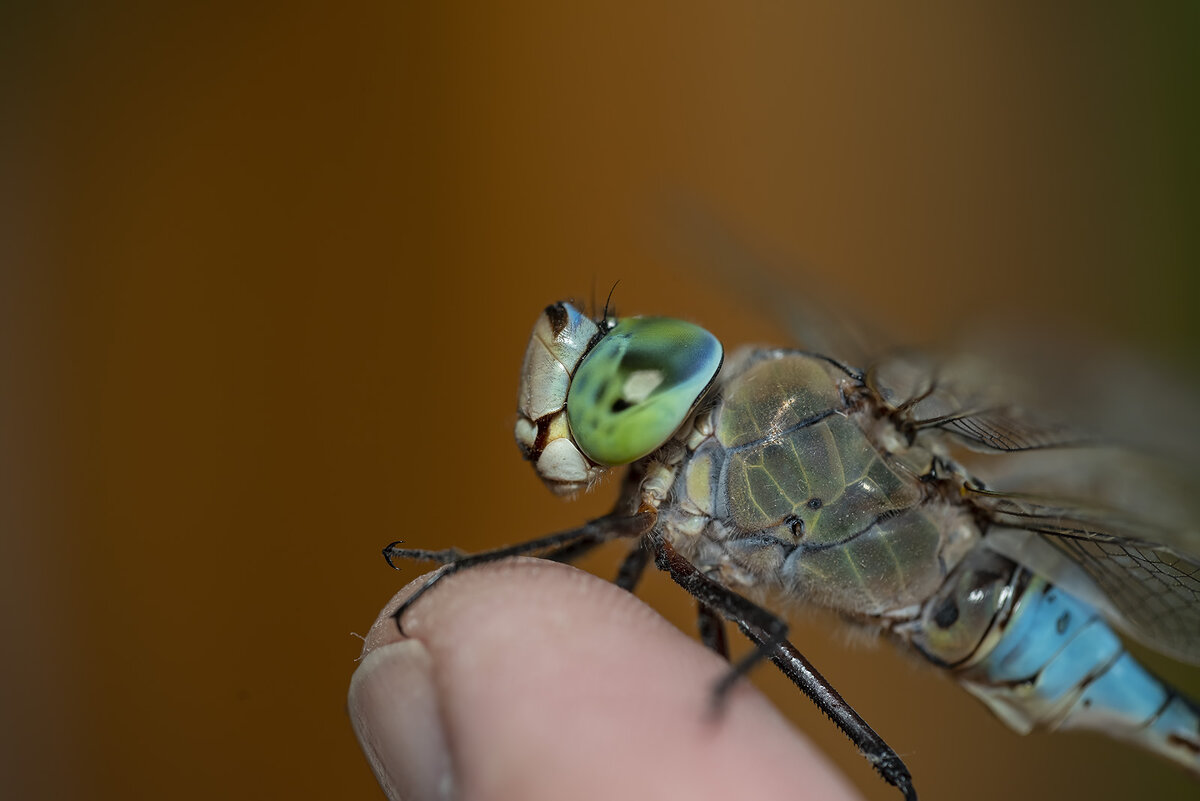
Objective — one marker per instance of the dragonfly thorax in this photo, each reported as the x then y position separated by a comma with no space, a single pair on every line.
794,488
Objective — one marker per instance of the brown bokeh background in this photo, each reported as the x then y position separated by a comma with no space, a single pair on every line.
268,271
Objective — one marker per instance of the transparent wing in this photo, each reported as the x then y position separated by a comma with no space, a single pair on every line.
780,287
1006,429
968,401
956,397
1149,585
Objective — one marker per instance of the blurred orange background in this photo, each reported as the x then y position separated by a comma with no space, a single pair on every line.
269,269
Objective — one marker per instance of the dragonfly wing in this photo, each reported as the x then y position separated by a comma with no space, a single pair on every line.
795,296
1005,430
957,397
1147,586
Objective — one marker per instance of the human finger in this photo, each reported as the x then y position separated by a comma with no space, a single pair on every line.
533,680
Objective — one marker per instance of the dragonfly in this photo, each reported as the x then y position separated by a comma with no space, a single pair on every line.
855,488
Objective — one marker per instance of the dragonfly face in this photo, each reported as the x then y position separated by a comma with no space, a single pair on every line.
557,345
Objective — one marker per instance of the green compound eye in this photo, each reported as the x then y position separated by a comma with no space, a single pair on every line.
638,385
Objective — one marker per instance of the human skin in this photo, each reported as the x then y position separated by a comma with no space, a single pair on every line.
533,680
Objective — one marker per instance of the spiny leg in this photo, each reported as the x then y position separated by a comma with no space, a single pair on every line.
723,601
633,567
575,550
628,575
710,624
802,673
442,557
712,629
769,634
576,540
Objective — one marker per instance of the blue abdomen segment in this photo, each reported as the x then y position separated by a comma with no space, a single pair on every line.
1058,665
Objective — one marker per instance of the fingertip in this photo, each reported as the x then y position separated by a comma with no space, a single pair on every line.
545,682
394,710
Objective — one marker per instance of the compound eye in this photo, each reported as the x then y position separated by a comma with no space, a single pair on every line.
637,386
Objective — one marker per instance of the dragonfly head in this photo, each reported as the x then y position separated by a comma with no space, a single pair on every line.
598,395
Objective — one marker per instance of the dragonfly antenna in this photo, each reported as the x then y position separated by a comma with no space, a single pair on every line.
608,300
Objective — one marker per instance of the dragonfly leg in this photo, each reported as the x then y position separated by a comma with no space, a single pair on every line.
571,542
441,557
722,601
572,551
633,567
793,665
769,634
712,629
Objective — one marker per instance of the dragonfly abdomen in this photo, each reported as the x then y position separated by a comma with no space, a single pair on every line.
1040,658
